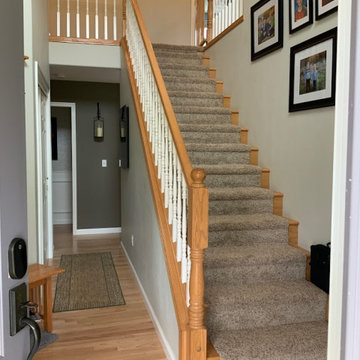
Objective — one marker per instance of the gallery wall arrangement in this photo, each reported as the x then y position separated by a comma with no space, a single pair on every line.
312,62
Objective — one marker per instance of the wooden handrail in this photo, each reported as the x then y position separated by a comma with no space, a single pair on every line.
169,112
170,256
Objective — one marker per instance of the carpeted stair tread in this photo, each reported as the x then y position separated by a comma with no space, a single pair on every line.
247,222
194,80
195,94
248,255
259,293
301,341
207,128
182,57
189,67
201,110
217,147
240,193
177,48
249,306
227,169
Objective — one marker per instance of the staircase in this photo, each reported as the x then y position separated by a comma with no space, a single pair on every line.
260,305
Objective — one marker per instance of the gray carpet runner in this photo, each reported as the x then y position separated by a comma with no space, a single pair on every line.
260,305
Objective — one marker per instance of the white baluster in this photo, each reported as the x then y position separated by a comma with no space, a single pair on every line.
166,168
237,8
96,19
188,276
115,20
58,19
77,18
105,20
183,231
178,213
171,170
241,7
87,20
68,19
174,229
233,8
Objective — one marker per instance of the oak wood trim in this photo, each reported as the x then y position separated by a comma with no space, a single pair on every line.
84,41
206,60
212,73
265,178
226,31
278,203
244,139
212,354
165,231
169,111
210,20
254,156
227,101
219,87
235,117
293,232
26,57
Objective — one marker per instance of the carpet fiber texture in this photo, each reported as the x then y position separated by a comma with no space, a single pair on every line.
260,305
89,281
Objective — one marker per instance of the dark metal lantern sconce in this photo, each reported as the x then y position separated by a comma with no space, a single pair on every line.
98,126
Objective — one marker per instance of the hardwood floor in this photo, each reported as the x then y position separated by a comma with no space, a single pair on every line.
123,332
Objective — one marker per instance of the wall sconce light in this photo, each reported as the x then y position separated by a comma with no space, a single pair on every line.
98,125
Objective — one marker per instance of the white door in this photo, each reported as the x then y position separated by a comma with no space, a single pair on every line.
13,217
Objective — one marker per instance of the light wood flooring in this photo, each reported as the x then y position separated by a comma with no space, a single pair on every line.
122,333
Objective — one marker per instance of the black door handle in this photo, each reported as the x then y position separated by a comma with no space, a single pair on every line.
34,327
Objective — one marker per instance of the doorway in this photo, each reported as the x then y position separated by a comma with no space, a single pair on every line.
63,159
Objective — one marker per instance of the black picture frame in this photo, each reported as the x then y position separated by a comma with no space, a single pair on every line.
322,10
268,27
314,58
304,18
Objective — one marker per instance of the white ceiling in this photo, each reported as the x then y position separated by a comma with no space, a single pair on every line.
81,73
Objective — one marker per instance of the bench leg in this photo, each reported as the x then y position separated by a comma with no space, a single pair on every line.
48,305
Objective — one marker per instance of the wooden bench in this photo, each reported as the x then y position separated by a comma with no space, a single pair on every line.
41,276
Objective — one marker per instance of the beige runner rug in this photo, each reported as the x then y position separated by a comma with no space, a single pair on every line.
89,281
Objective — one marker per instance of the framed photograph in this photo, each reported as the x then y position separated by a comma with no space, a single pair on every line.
325,8
313,72
300,14
266,27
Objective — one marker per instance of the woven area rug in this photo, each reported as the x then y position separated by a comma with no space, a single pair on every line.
89,281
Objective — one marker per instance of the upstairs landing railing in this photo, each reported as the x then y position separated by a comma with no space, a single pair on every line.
215,18
180,196
87,21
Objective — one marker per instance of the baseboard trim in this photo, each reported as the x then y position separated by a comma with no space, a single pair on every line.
161,335
114,230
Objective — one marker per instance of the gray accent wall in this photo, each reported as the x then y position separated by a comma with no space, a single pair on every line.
139,220
98,188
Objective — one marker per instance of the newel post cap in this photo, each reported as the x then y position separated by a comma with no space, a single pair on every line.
198,176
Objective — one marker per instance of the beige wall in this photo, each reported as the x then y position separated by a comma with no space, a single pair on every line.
297,147
167,21
138,218
36,47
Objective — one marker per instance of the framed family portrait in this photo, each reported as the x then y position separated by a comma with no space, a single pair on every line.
313,72
300,14
325,8
266,27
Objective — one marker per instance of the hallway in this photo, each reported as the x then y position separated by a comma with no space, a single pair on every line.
122,332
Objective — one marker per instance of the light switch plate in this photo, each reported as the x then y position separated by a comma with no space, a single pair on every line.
104,163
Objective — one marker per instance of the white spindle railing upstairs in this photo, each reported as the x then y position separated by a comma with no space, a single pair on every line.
184,197
84,20
225,13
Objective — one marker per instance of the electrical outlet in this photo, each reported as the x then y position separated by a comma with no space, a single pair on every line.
132,240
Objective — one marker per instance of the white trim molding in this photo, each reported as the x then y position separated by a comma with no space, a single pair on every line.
72,106
160,332
99,231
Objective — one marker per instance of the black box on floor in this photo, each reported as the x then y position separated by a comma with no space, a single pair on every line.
320,266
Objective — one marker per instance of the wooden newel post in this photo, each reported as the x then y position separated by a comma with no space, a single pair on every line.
198,205
210,20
